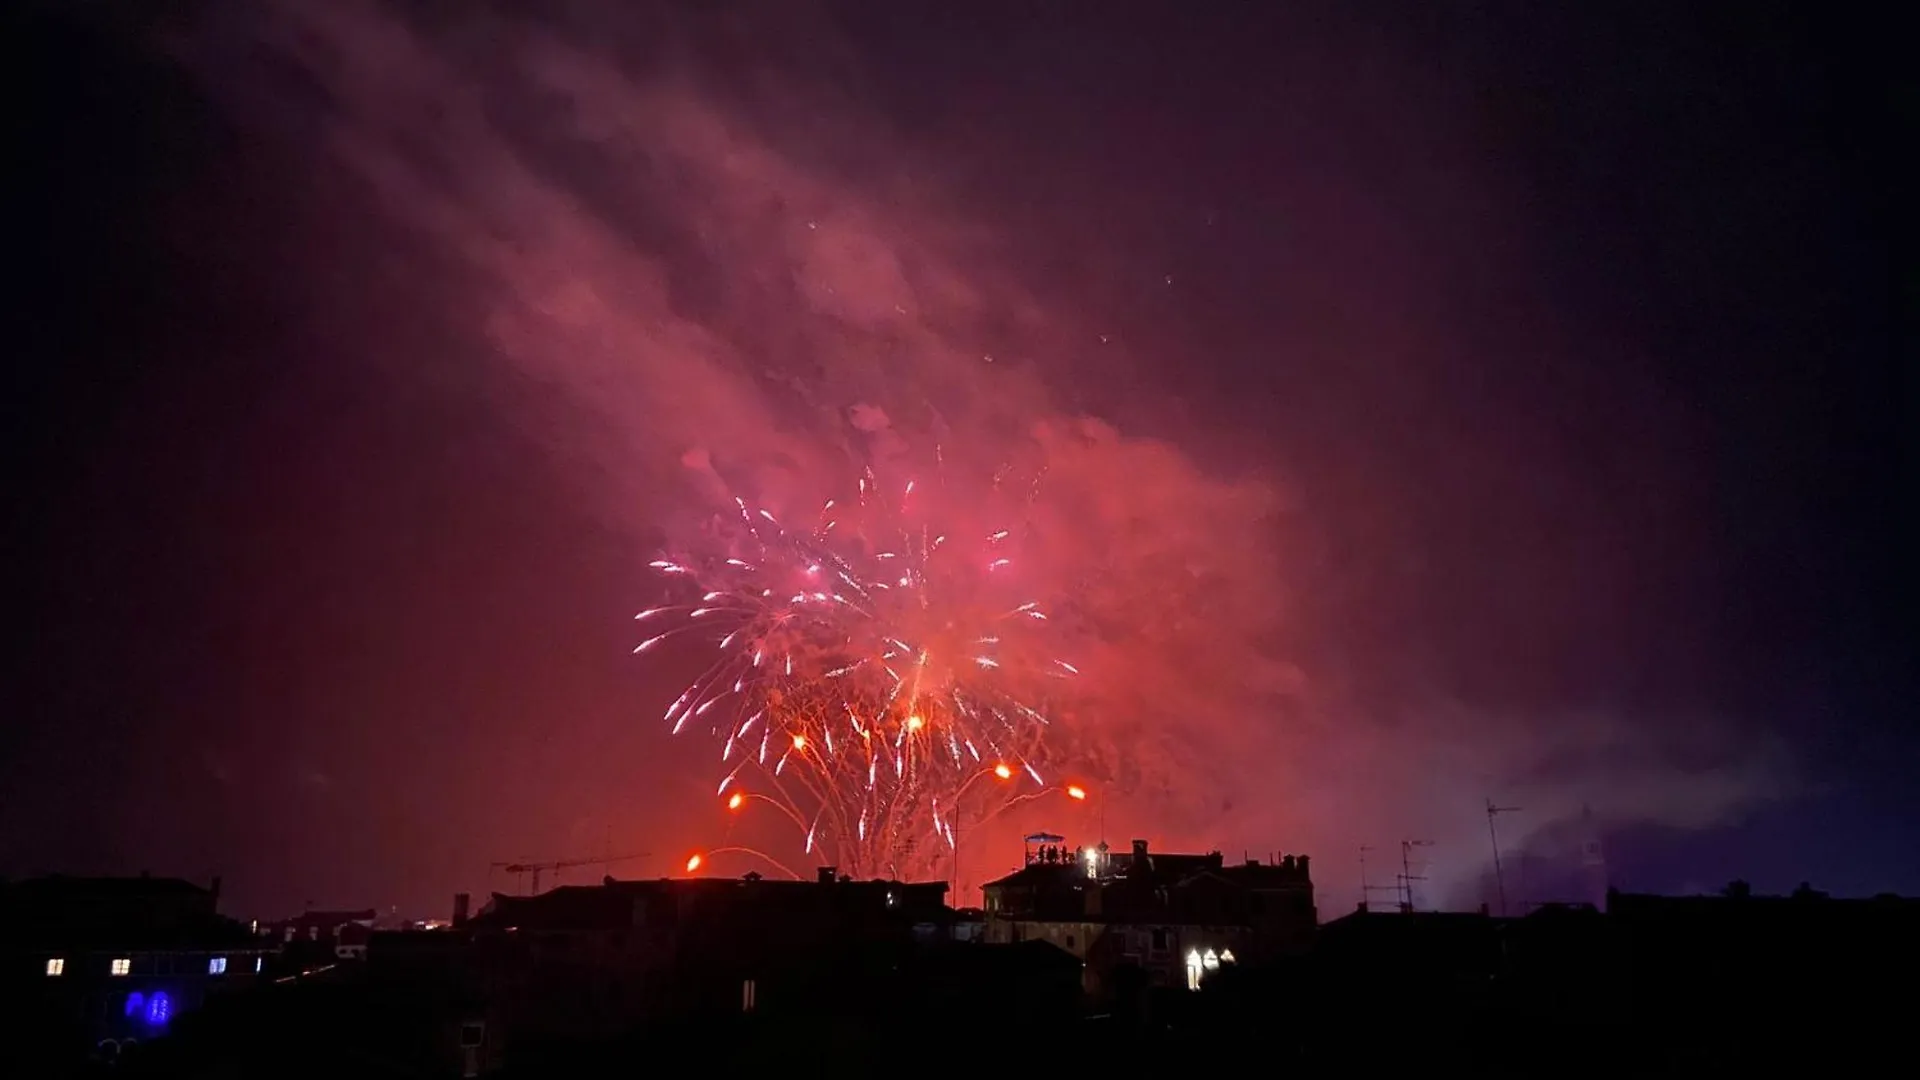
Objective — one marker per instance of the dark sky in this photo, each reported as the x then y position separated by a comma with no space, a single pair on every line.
1500,403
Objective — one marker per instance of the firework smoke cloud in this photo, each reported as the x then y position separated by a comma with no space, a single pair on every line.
724,310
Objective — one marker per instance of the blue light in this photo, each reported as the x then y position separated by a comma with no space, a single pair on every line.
136,1003
159,1009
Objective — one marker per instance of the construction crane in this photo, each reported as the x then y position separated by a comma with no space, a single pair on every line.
556,865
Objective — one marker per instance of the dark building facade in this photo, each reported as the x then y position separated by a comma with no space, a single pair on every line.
582,959
1703,985
314,938
100,965
1806,973
1172,918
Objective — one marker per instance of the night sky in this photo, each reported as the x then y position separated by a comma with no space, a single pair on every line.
1483,402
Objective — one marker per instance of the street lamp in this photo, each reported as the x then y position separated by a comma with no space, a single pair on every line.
1000,771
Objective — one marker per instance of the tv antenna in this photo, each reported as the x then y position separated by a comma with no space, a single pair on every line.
1407,876
1493,837
1367,889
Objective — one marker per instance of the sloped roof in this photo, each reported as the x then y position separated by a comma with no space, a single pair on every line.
129,913
616,903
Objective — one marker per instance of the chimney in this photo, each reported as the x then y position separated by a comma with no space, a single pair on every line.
1286,862
1139,849
826,874
1301,862
461,902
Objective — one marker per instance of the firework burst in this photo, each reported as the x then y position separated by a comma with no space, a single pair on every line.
877,668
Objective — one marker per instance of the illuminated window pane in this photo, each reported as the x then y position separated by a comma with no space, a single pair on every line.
122,966
217,966
57,966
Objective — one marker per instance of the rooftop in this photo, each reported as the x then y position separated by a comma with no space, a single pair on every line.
1053,866
101,912
617,902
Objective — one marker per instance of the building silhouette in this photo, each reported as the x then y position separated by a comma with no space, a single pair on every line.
98,966
1163,919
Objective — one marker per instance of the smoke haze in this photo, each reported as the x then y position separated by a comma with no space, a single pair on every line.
1359,520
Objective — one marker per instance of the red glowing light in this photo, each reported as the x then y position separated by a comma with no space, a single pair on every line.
693,863
1075,791
1003,772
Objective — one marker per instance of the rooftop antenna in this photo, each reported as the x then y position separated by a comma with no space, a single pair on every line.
1493,837
1593,859
1407,876
1366,889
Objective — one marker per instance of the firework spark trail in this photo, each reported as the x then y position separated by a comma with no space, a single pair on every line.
871,666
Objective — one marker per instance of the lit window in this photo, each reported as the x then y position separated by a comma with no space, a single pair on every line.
217,966
122,966
57,966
